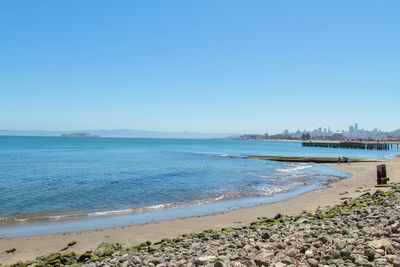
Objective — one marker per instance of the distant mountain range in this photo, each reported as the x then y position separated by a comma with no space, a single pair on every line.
120,133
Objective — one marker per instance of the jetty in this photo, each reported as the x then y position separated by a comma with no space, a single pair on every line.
352,145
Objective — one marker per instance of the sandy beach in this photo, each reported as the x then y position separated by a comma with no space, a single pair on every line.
363,180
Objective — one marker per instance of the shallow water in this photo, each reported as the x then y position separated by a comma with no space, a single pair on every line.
142,180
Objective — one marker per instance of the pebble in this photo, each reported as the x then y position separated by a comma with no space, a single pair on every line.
309,254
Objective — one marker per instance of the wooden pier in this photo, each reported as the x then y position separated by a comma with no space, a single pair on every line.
352,145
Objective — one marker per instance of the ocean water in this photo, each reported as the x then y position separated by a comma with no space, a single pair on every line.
90,183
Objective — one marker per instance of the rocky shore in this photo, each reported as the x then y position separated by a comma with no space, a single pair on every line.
359,232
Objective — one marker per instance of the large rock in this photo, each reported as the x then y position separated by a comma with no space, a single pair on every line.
264,258
312,262
53,257
370,253
340,244
381,243
396,262
220,264
83,257
395,227
265,235
106,249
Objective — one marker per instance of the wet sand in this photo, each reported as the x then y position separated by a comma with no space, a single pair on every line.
363,180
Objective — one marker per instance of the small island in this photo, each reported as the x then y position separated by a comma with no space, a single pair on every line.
79,135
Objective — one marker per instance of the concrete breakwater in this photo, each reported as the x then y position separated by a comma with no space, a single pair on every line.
307,159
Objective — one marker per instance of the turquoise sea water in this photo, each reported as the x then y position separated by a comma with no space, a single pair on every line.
90,183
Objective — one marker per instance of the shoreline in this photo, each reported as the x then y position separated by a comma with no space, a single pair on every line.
13,227
363,180
138,215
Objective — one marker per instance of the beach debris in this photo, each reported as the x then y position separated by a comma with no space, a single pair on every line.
70,244
11,250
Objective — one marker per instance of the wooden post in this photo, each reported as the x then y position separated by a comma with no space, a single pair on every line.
381,174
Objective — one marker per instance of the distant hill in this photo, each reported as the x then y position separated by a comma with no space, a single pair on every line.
120,133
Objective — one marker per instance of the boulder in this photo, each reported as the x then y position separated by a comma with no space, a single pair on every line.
106,249
264,258
380,243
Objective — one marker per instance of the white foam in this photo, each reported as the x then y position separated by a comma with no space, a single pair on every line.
21,220
294,168
219,198
103,213
268,191
160,206
258,175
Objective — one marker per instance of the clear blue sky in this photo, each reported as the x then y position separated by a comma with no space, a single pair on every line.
202,66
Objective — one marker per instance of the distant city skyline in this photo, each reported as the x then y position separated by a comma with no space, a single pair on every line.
321,133
199,66
352,131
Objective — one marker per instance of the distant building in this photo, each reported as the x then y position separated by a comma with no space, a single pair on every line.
352,139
